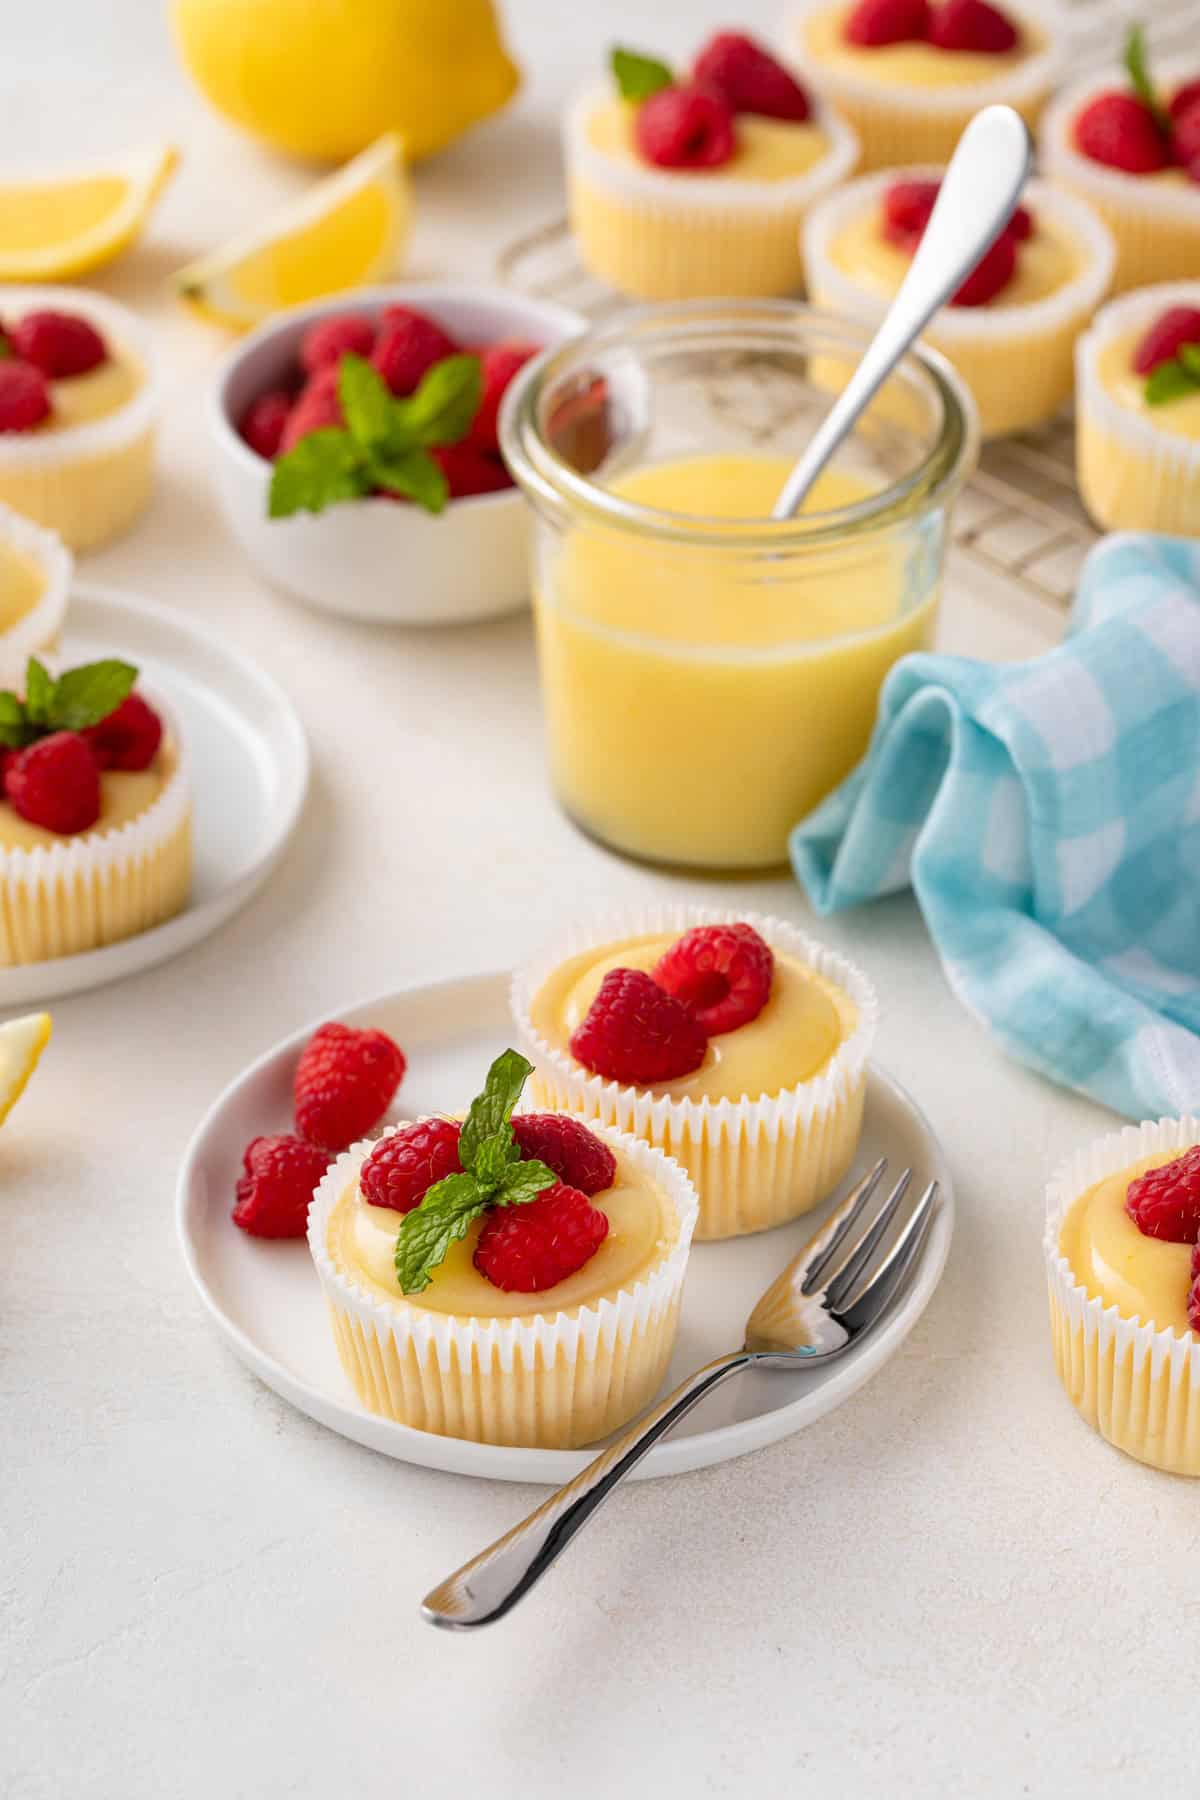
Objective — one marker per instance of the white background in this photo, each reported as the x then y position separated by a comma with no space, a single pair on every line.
951,1586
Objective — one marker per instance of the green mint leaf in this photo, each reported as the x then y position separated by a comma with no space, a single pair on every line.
493,1159
85,695
441,410
523,1182
1170,381
39,693
447,1212
13,734
637,77
1138,69
490,1111
323,468
414,474
1189,356
366,402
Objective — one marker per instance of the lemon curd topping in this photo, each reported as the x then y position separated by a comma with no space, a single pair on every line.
793,1038
912,63
1118,375
22,584
124,796
767,149
1046,261
641,1232
1143,1277
81,399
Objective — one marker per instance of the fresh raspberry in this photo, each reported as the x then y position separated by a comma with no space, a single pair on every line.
317,408
907,209
280,1176
59,344
1183,99
55,783
1185,137
972,25
565,1144
1020,226
1120,131
265,421
749,79
499,363
404,1165
345,1082
685,128
635,1031
470,470
528,1248
722,972
991,274
129,738
7,759
1178,326
1194,1306
1165,1203
408,345
875,22
24,396
331,339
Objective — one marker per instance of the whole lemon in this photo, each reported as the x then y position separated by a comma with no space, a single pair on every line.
324,78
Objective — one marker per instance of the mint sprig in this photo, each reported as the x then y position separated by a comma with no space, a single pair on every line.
637,76
492,1175
1174,380
79,699
1137,67
385,442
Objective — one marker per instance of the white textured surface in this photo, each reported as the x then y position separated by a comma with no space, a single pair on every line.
948,1587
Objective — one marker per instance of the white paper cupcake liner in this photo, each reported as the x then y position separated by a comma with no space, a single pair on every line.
1136,1383
664,236
1133,475
756,1162
37,633
552,1380
87,482
1156,225
1017,360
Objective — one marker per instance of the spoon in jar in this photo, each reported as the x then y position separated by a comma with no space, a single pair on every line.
978,196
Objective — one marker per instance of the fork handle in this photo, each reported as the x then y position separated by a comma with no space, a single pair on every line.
492,1583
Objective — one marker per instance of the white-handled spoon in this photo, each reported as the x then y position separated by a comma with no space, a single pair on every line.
979,194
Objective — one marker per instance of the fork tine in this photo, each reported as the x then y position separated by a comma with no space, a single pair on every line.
881,1283
856,1205
846,1279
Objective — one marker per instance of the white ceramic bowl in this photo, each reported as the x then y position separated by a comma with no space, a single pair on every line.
371,559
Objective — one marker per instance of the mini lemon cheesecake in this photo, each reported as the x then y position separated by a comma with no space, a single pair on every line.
910,101
766,1107
1121,1317
1137,458
1015,349
35,580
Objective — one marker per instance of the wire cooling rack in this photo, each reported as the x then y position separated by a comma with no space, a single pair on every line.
1020,518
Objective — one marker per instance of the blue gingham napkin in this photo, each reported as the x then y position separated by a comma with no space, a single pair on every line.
1047,815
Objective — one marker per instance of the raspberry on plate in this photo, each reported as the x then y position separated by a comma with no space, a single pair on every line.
264,422
345,1081
129,738
1165,1202
24,396
330,339
498,364
408,345
1122,132
404,1165
749,79
972,25
55,783
875,22
59,344
685,128
280,1175
1178,326
565,1144
527,1249
636,1032
722,973
317,407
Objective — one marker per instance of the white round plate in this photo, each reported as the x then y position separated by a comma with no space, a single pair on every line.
264,1295
248,759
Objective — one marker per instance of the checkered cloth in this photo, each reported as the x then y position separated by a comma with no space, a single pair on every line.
1047,816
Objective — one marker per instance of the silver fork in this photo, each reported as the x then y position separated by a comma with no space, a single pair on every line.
833,1293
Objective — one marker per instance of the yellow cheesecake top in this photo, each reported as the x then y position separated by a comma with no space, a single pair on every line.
1046,261
767,149
1143,1277
82,399
801,1027
124,796
642,1230
22,584
1114,366
912,64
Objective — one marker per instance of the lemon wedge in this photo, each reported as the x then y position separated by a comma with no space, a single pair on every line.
61,224
21,1044
349,229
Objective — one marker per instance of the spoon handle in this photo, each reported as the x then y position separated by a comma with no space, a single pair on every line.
979,195
492,1583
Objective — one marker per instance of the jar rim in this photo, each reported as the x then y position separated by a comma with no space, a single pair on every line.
545,476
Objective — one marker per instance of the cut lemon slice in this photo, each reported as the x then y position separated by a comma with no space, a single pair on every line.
21,1044
65,223
350,229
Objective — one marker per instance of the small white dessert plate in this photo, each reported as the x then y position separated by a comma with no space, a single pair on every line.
248,762
265,1299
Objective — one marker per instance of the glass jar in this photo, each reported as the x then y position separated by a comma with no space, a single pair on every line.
709,674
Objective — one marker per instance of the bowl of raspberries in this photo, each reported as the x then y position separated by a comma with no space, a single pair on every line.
356,456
